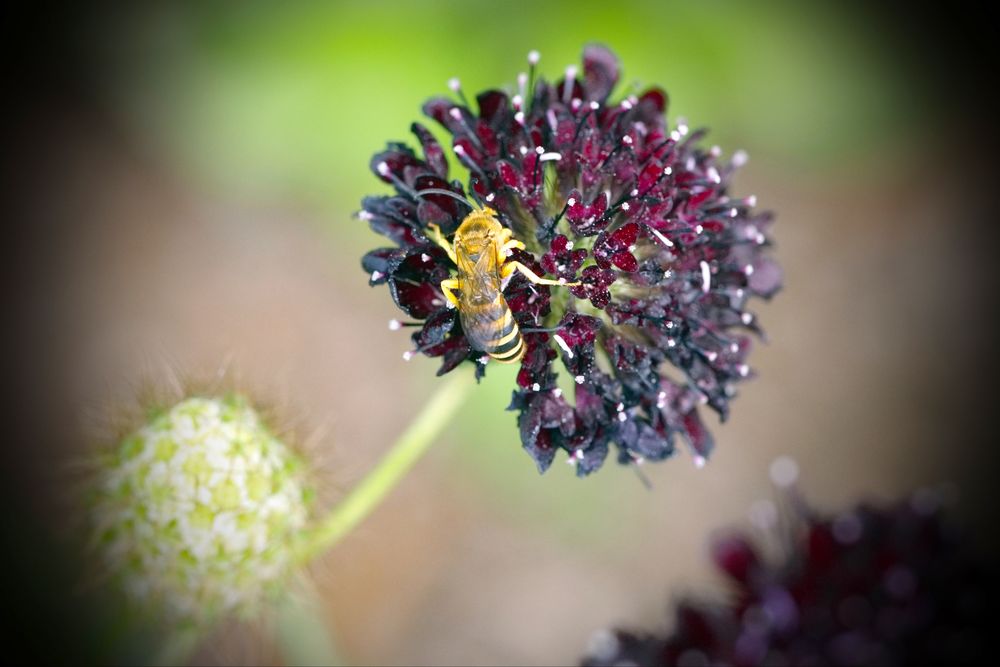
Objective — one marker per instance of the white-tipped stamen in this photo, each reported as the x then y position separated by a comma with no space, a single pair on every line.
740,158
377,275
699,461
547,157
550,116
664,240
454,84
395,325
579,379
784,472
562,343
382,168
409,354
763,514
536,387
706,277
534,57
569,84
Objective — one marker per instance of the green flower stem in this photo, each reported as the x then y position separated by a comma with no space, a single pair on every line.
178,648
403,454
301,629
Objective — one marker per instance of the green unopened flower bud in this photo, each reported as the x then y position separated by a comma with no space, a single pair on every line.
197,511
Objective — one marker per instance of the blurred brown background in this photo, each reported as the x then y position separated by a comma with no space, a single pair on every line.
180,186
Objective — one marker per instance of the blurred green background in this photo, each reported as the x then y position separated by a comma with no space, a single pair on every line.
201,176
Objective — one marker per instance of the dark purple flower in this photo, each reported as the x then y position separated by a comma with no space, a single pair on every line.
602,193
892,585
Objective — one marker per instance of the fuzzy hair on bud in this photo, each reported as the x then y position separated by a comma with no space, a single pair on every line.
196,512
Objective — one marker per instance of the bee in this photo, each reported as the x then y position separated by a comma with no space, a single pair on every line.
481,250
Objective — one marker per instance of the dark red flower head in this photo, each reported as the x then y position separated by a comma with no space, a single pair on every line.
602,193
876,585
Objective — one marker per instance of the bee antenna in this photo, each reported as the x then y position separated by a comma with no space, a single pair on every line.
542,330
449,193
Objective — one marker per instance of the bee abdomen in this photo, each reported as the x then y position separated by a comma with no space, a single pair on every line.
508,346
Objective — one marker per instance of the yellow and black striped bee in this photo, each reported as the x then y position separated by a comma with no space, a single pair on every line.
481,250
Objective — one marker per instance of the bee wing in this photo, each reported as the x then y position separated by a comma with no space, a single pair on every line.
481,326
483,307
479,279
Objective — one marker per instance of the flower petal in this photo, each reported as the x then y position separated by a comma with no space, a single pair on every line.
600,72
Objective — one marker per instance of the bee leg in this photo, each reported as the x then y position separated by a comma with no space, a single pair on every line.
510,267
506,248
446,288
435,235
505,244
